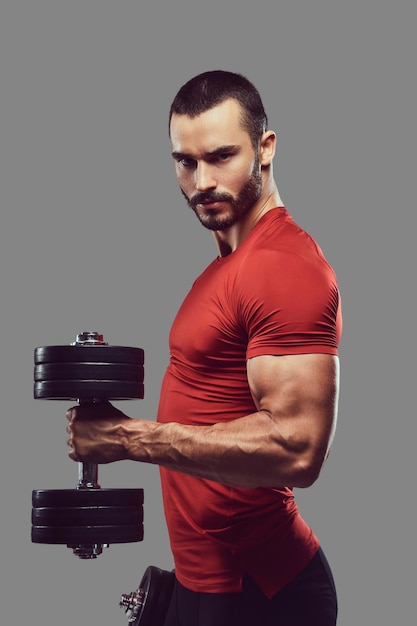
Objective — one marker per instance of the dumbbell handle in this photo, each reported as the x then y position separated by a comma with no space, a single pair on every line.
88,476
88,472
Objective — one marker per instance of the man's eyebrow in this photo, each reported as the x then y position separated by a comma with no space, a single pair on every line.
181,155
209,153
221,150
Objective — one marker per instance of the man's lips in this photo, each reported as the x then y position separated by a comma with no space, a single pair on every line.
210,204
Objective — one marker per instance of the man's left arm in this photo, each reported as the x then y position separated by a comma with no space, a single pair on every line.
284,443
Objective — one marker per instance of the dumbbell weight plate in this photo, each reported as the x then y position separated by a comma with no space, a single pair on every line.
87,516
79,516
86,497
90,354
75,389
157,586
89,371
96,534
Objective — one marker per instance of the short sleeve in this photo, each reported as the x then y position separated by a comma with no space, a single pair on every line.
289,304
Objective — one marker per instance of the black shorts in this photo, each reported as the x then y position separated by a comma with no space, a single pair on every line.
308,600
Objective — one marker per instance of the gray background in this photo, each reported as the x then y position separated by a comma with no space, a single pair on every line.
95,236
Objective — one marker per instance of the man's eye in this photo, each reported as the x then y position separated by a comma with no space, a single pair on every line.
226,156
186,162
222,156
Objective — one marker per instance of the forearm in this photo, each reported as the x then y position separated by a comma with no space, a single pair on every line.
252,451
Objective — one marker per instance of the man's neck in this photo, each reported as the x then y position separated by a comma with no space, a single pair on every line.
229,240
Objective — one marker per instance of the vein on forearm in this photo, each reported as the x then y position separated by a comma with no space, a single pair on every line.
248,452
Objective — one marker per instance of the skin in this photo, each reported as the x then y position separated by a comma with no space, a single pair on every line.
287,440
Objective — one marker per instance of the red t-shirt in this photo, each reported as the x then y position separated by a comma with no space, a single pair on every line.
275,294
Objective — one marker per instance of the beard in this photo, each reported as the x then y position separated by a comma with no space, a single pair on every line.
239,205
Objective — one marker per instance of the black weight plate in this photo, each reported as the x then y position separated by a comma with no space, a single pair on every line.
87,534
89,353
87,516
75,389
89,371
86,497
157,585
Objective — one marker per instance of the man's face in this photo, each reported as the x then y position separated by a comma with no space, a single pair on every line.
216,166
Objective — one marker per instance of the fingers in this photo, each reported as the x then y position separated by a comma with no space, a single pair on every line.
73,414
91,432
69,413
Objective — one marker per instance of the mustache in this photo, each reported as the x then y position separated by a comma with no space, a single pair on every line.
200,198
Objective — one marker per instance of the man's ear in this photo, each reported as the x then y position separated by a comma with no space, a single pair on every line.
267,146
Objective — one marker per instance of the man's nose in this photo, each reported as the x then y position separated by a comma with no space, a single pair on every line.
204,177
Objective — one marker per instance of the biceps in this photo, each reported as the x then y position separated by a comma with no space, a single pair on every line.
300,388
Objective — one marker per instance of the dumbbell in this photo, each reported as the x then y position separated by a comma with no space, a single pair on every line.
88,518
148,605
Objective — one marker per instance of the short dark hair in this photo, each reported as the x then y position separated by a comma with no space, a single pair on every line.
207,90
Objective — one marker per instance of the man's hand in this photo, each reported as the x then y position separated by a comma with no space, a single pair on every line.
96,433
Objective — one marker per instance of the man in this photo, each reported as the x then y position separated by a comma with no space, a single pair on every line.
249,400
